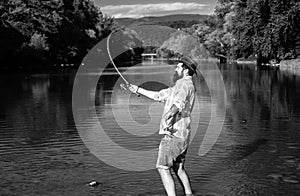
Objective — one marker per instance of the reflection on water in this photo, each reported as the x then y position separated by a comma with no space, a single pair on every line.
257,152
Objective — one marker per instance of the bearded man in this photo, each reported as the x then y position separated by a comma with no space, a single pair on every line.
175,124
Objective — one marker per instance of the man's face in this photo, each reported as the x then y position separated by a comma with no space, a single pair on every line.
178,74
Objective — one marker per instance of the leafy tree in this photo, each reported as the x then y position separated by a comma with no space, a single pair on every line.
213,42
184,44
199,30
222,8
38,42
215,33
211,21
267,28
83,25
32,15
66,29
30,19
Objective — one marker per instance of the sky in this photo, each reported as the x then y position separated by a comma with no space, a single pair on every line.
142,8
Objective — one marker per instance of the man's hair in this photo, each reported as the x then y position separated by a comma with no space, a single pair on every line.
190,71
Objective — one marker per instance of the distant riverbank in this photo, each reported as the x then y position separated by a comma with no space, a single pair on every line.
292,66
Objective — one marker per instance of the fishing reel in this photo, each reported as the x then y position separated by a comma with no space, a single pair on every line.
128,87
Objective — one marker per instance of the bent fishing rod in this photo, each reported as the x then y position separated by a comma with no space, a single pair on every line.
108,51
114,65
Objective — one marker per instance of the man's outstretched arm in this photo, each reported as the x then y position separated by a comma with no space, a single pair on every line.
138,90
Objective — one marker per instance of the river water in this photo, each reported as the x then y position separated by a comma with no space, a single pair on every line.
257,151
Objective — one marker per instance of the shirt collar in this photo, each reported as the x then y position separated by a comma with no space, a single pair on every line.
184,78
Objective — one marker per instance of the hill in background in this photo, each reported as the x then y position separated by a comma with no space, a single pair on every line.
153,35
174,21
154,31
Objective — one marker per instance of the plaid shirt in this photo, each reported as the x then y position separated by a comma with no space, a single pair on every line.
183,96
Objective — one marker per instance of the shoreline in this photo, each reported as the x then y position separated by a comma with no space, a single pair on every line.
291,66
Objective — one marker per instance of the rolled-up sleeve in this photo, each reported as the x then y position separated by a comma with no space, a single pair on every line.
181,94
162,95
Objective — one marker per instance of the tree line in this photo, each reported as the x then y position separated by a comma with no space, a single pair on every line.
37,33
262,29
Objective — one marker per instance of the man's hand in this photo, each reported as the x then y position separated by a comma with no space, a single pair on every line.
131,87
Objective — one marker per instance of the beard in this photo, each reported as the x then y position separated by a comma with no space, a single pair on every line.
176,77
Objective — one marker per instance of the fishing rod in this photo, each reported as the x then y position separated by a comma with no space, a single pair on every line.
111,59
127,83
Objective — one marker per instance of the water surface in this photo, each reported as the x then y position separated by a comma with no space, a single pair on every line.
257,152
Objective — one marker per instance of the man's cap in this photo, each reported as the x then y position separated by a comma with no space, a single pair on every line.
189,62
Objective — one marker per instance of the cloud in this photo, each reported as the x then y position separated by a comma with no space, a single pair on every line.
141,10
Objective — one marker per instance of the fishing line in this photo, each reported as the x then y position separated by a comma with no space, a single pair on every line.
127,83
